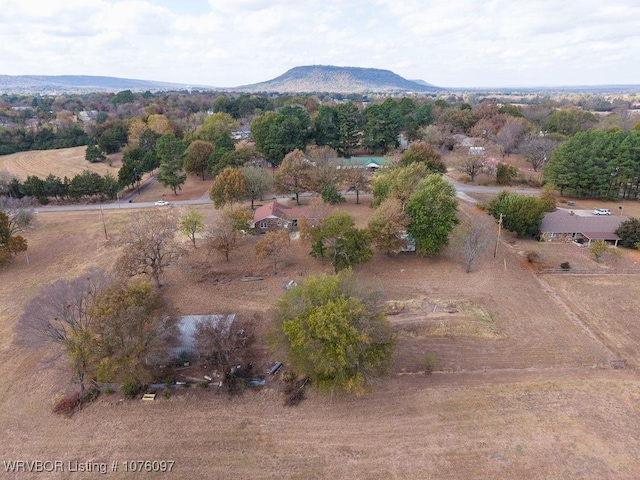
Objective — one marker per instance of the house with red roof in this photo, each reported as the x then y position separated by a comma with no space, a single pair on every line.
276,216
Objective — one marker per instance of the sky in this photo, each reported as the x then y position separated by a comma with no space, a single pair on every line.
227,43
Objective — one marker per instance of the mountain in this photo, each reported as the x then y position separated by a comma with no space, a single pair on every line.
46,84
327,78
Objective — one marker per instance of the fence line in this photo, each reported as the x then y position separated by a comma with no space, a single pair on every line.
588,271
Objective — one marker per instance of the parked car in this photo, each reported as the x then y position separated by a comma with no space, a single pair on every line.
602,211
162,203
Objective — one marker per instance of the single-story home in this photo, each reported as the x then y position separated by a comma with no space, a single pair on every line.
370,163
275,216
566,225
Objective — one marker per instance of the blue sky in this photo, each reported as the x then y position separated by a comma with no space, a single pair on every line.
450,43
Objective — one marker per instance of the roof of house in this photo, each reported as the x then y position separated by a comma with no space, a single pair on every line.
275,209
595,227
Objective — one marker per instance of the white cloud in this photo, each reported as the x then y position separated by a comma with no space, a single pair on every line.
233,42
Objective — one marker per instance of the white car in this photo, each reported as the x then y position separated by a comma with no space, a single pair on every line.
602,211
162,203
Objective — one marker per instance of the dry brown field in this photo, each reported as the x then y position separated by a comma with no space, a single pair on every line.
525,390
63,162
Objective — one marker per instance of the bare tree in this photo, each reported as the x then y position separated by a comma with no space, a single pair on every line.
64,314
150,244
538,150
471,160
472,237
19,211
512,133
273,246
357,180
223,341
223,237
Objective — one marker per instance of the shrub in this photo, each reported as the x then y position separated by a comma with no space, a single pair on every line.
429,363
130,389
565,266
74,402
533,257
331,195
166,394
203,384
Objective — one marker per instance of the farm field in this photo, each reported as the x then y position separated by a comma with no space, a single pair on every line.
526,387
63,162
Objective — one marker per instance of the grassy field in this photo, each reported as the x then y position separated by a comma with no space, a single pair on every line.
63,162
526,387
538,399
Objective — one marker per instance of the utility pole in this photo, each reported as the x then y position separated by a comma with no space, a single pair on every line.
104,224
498,238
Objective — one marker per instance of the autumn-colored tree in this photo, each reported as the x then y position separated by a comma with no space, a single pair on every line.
223,237
424,153
10,243
388,225
293,174
216,125
149,244
357,180
197,156
398,182
191,224
325,168
333,333
160,124
273,246
228,187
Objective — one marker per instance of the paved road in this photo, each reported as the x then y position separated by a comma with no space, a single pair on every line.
461,188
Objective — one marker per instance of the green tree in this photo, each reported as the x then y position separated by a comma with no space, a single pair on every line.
432,208
398,183
337,238
569,122
387,225
93,154
333,333
277,134
629,233
191,223
381,126
349,125
522,214
170,151
215,126
221,156
197,157
228,187
506,173
257,182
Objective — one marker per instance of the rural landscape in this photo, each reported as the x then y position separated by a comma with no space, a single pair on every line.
395,281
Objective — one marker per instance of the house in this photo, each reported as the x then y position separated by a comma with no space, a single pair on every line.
370,163
567,225
275,216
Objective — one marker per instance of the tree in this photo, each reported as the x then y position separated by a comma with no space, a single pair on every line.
521,214
629,233
512,133
337,238
424,153
222,343
293,175
220,158
170,150
398,183
197,156
381,126
63,314
10,244
257,182
149,244
357,180
333,333
273,246
223,236
387,225
568,122
537,150
506,173
191,223
432,208
470,160
228,187
277,134
471,238
216,125
324,168
132,323
94,154
19,212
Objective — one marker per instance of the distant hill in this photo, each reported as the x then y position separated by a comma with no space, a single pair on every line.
44,84
326,78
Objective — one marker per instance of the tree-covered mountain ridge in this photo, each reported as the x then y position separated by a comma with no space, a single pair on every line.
46,84
328,78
